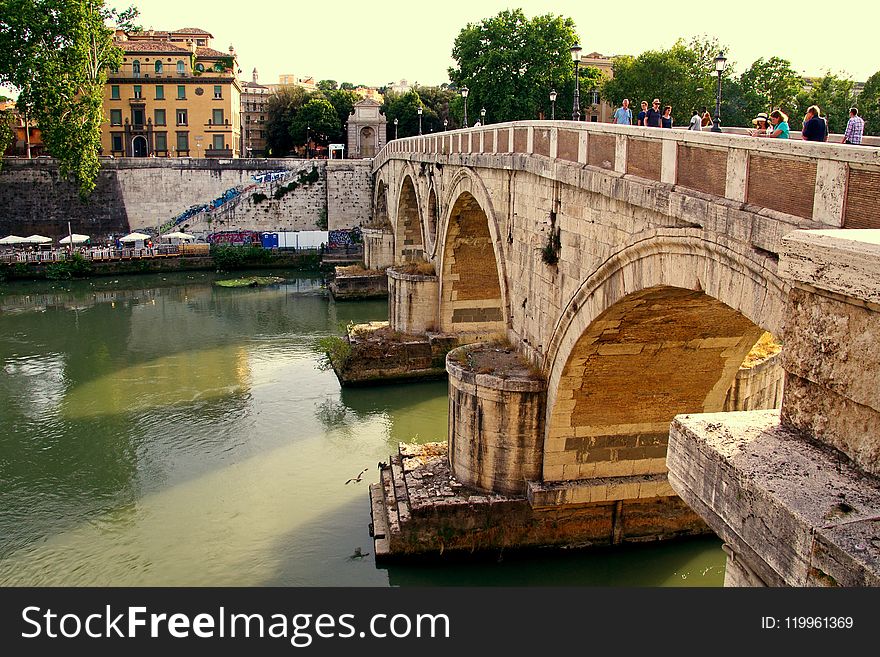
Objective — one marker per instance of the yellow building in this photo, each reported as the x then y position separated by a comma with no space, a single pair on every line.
173,96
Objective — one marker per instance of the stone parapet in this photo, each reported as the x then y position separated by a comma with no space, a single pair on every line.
792,512
378,248
831,354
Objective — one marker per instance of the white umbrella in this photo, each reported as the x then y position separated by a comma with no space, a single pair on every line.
76,238
13,239
134,237
180,236
37,239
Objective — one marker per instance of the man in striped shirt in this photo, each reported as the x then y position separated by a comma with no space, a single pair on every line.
855,128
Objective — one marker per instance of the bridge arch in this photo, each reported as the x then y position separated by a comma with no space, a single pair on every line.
659,329
473,284
408,236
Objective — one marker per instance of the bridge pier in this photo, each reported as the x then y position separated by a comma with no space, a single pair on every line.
795,495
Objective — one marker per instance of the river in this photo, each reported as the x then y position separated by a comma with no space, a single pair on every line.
162,431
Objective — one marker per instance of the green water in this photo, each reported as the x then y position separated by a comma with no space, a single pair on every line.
158,430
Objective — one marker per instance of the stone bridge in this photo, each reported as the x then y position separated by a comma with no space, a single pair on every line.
633,269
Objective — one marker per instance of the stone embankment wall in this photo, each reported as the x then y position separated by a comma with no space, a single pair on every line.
145,193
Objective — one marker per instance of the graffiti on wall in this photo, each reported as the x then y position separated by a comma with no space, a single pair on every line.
235,237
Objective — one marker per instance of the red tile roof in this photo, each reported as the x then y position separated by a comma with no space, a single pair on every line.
192,30
201,51
151,46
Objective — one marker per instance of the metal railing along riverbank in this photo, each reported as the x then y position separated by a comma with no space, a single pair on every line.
97,254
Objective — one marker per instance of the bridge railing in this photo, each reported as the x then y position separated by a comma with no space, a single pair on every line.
830,184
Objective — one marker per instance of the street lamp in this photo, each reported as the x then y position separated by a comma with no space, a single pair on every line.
576,58
720,65
395,127
420,120
464,94
445,123
483,116
553,105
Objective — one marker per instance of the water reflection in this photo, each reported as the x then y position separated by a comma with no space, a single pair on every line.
163,431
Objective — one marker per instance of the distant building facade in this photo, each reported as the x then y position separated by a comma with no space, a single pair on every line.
366,129
254,99
24,132
173,96
593,107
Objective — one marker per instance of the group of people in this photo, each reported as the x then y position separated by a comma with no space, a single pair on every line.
653,117
775,125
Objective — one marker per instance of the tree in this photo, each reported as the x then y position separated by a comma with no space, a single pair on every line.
316,121
682,76
510,63
347,86
7,132
57,54
771,84
833,95
405,108
327,85
281,109
343,104
868,104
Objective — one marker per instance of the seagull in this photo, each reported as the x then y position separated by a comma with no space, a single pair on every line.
357,479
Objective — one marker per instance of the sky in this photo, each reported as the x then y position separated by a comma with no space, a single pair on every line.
374,43
377,42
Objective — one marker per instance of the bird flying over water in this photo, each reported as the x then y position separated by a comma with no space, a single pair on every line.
358,478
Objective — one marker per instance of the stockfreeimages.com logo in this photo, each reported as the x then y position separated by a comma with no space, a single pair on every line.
300,629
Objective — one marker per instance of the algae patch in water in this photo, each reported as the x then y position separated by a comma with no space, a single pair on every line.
250,281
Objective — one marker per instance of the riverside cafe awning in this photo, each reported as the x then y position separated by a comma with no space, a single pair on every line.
38,240
177,238
12,240
76,238
134,240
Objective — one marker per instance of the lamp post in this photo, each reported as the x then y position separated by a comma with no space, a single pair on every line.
576,58
720,65
553,105
395,127
308,146
464,94
483,116
445,123
420,120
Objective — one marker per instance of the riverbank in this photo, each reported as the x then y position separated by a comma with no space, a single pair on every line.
81,268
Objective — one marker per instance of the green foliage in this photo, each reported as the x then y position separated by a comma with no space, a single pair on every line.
769,85
321,223
682,76
281,109
57,53
327,85
7,133
405,108
510,63
868,104
304,178
75,267
833,95
227,257
335,352
551,248
316,120
258,197
343,102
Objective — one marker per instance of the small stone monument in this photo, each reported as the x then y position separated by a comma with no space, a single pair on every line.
366,129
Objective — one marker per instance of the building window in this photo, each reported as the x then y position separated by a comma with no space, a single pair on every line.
218,142
159,117
182,141
116,142
116,117
201,42
136,69
114,92
137,91
200,67
181,67
247,119
218,92
161,141
181,92
160,92
181,117
158,66
137,116
217,117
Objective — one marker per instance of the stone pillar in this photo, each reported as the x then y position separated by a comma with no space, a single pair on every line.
378,248
496,419
795,496
413,302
